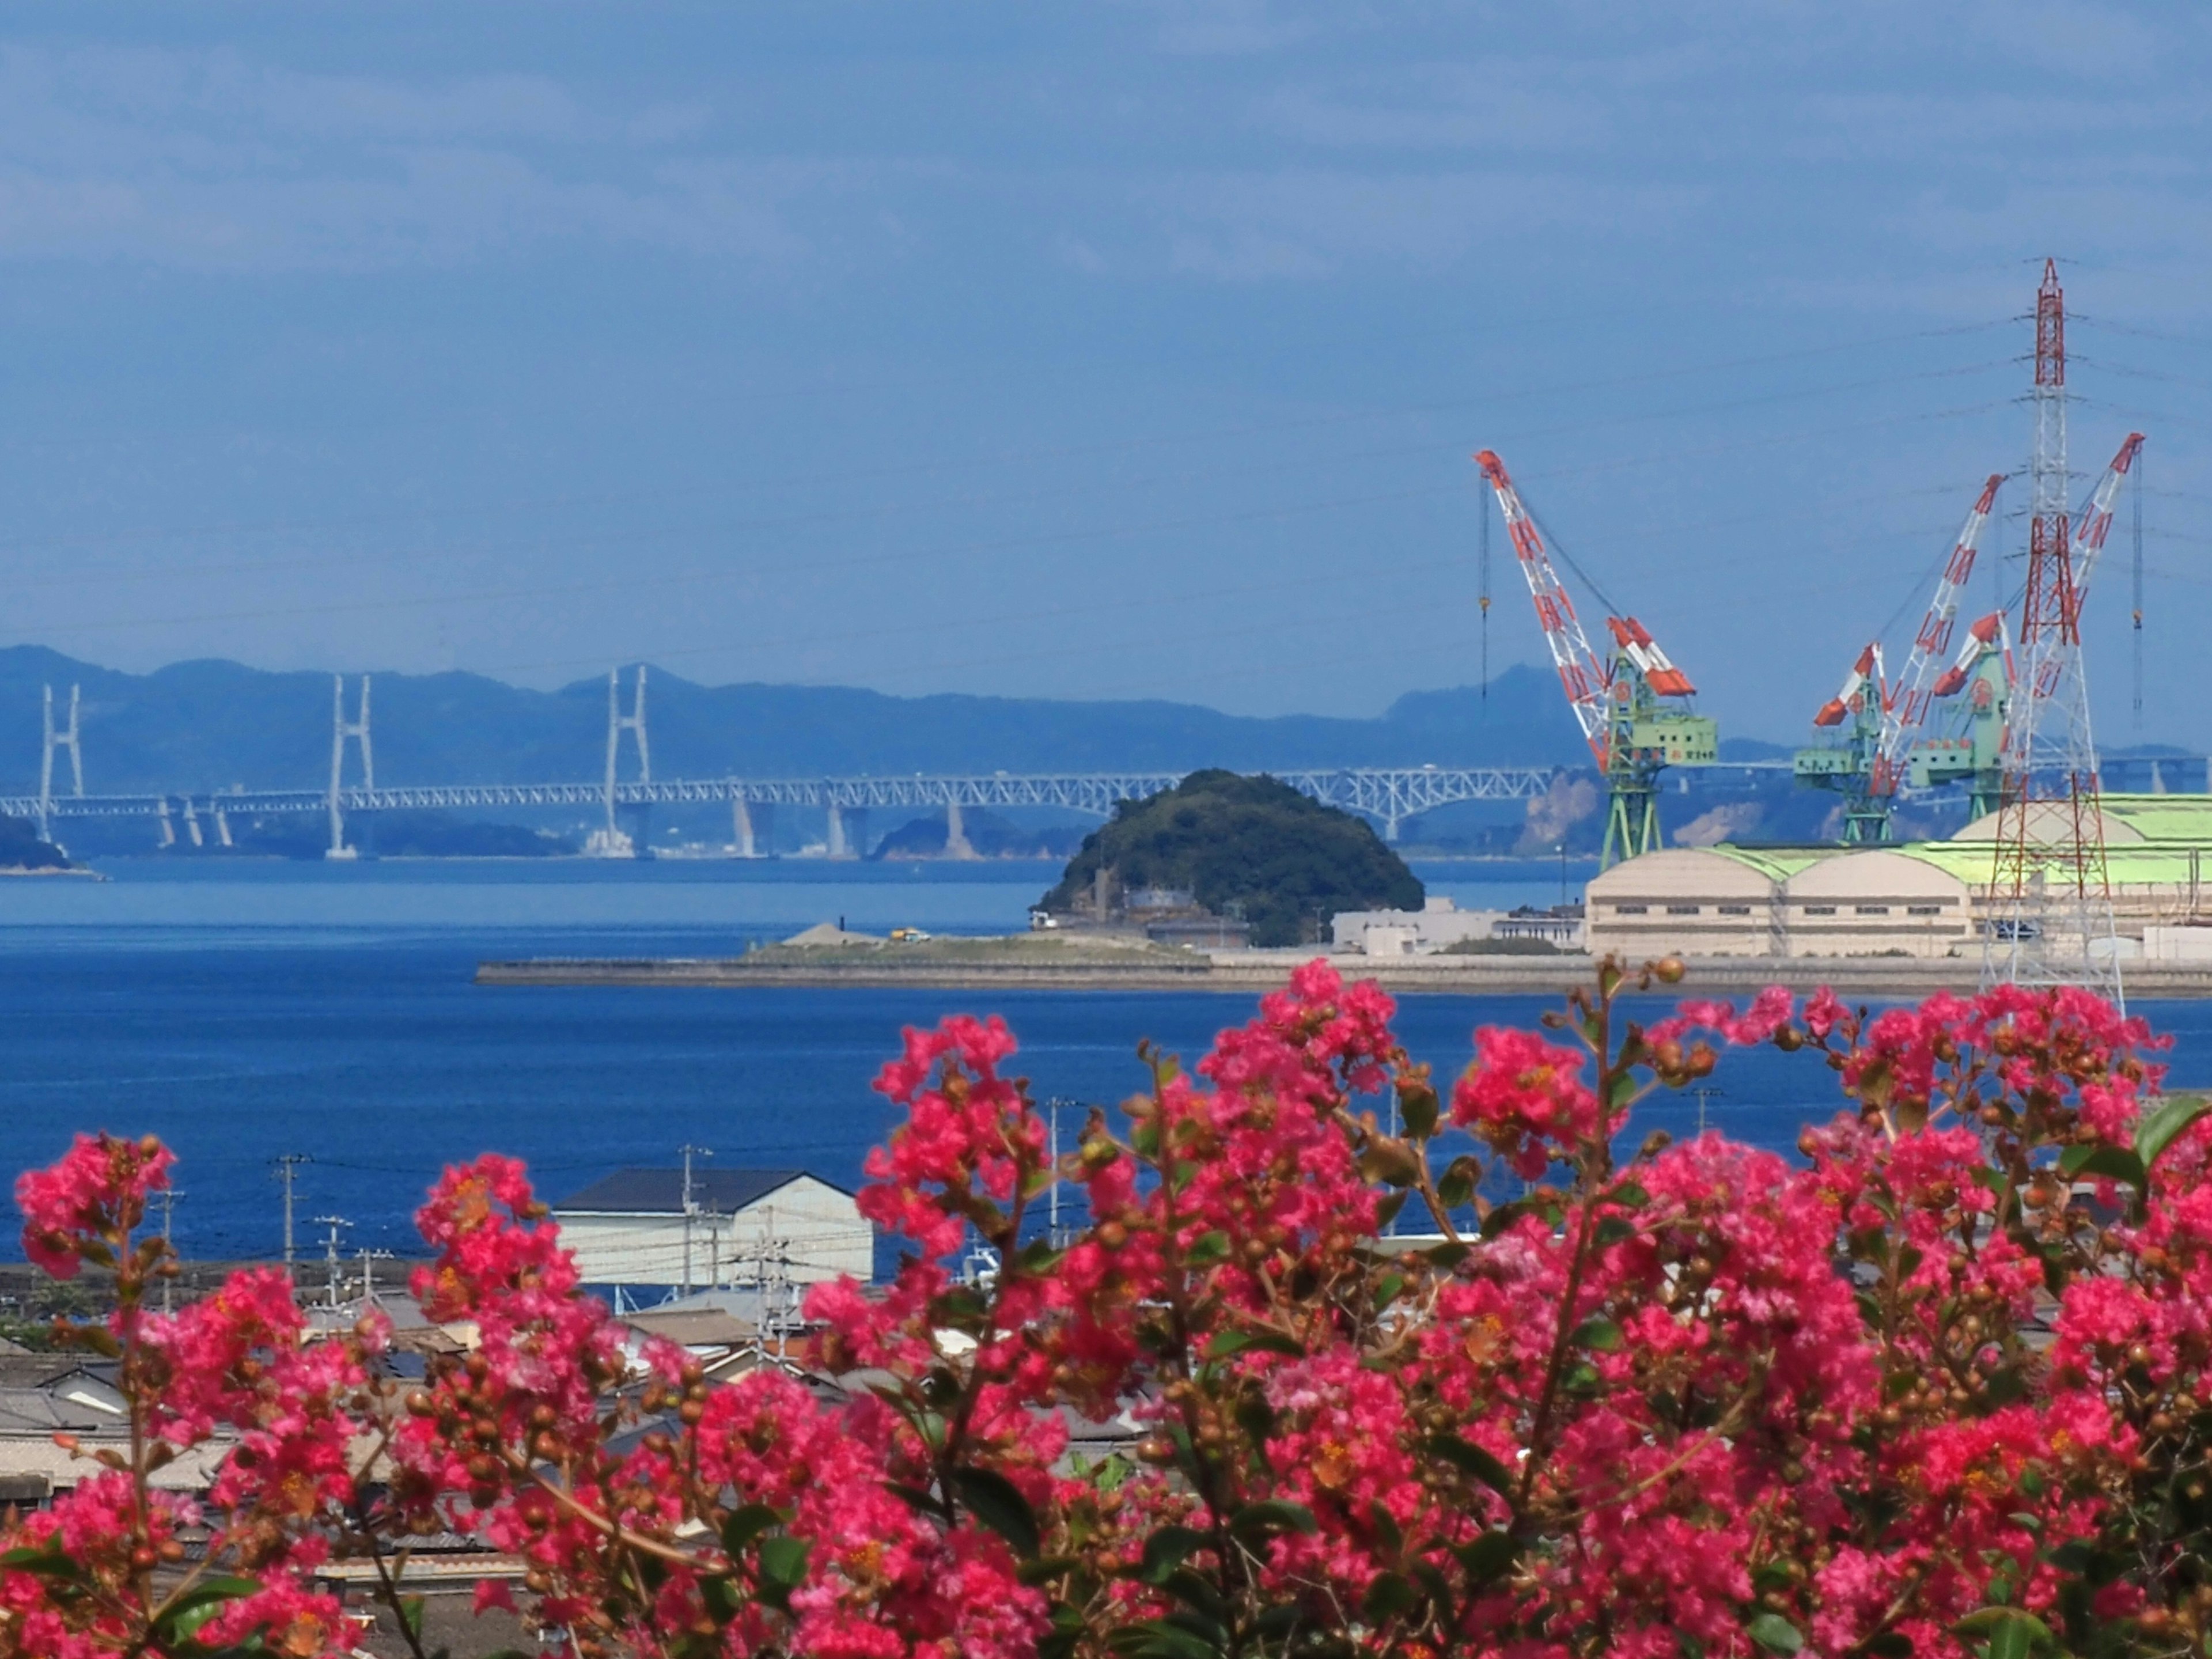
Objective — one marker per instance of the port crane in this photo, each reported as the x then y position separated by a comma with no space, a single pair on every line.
1629,704
1880,717
1880,753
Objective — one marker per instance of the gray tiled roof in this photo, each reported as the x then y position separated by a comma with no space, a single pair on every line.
661,1192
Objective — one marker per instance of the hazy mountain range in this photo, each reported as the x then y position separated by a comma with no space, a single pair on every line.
209,724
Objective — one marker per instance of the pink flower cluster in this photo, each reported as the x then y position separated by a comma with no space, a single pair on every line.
1939,1385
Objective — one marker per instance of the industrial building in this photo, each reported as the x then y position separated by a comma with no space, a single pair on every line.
664,1229
1914,898
1439,924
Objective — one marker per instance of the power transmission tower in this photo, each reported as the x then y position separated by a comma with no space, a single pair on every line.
2049,919
341,729
618,723
53,740
288,1164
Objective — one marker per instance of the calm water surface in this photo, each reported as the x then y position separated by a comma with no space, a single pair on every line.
244,1010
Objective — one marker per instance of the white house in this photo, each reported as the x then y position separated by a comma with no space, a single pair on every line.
750,1227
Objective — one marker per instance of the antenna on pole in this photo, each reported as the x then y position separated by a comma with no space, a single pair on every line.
168,1196
288,1164
341,729
67,739
691,1208
618,723
1482,595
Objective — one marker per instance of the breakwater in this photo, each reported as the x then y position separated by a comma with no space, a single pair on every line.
1878,979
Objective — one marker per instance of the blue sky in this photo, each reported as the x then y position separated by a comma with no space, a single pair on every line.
1130,350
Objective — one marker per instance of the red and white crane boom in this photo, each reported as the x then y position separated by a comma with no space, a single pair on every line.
1905,705
1581,672
2094,522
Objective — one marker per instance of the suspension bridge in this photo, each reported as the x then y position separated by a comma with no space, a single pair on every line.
1387,795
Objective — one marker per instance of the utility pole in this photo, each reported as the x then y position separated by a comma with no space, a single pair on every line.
1052,1219
689,1152
168,1195
288,1164
1705,1091
368,1258
333,1222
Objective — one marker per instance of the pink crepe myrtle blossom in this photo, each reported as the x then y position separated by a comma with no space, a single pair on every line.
1905,1391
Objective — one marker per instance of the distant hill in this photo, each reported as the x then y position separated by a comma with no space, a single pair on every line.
1247,847
208,725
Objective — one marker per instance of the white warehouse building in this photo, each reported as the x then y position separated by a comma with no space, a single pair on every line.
1912,899
740,1227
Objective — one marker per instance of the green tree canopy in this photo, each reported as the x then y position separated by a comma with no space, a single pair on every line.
1287,860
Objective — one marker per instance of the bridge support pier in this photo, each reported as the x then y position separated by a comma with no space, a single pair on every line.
193,823
1390,828
222,826
741,827
836,836
341,729
956,832
62,739
168,830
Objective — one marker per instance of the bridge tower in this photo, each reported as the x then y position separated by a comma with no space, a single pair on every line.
63,739
618,723
341,729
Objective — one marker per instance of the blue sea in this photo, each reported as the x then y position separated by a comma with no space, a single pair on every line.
243,1010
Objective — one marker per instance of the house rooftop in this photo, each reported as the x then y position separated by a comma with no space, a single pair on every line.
661,1192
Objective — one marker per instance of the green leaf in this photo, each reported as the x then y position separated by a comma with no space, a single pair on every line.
1039,1257
1273,1515
720,1596
2116,1162
782,1567
410,1615
1600,1333
1166,1550
1389,1593
920,1502
1488,1556
1160,1639
747,1523
1046,1568
1387,1529
998,1505
1776,1634
1387,1289
1207,1249
46,1560
1223,1344
1613,1230
2017,1634
2156,1131
1471,1459
1629,1195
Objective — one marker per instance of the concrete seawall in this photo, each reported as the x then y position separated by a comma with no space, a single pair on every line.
1883,979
